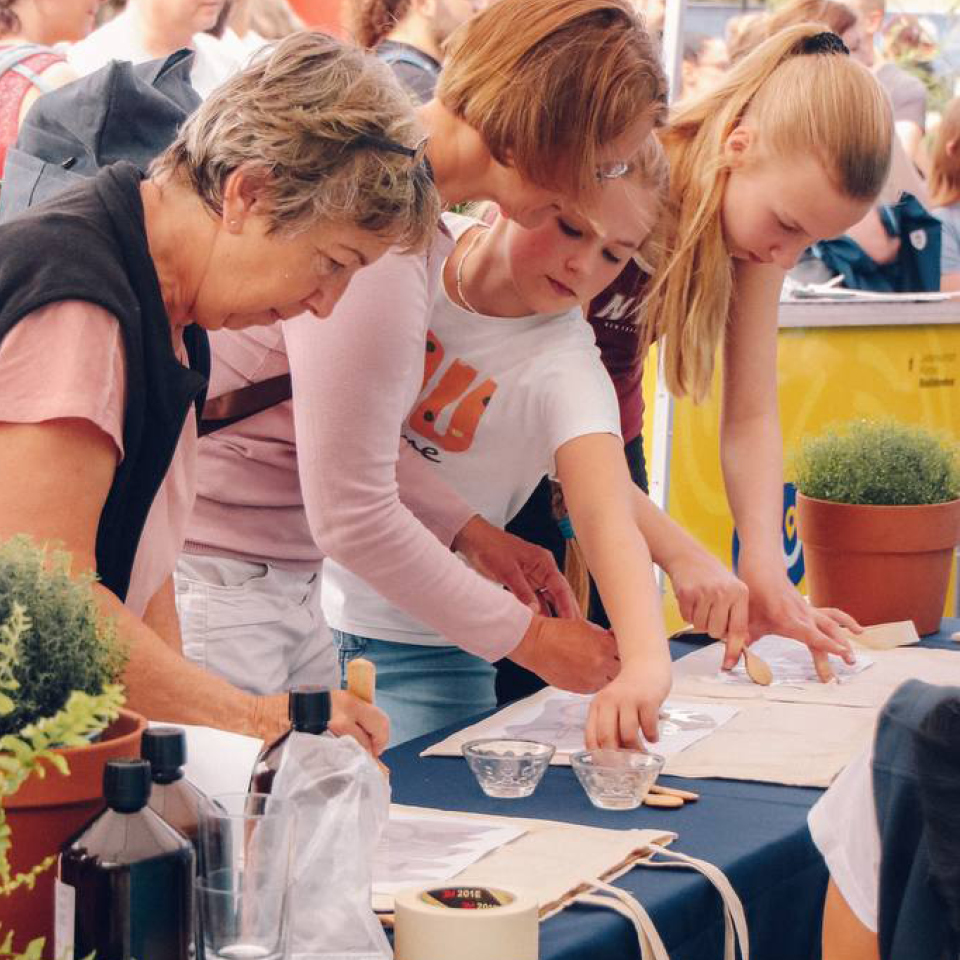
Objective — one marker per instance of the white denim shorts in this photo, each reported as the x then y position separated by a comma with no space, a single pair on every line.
255,624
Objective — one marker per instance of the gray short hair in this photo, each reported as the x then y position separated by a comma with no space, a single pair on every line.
300,113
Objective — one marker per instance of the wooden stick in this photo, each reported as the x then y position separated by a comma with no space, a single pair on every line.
688,795
662,800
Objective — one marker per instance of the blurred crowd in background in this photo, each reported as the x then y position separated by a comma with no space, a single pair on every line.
911,242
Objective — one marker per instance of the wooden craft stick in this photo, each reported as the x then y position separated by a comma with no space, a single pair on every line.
885,636
687,795
362,679
662,800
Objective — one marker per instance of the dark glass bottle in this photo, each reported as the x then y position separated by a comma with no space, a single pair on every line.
125,882
173,796
309,712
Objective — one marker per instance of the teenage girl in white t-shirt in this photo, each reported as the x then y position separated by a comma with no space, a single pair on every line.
514,389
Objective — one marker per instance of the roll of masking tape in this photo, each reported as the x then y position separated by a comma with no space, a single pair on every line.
465,923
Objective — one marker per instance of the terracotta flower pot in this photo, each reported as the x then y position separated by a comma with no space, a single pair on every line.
46,811
879,563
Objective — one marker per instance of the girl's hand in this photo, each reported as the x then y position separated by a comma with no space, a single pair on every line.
776,606
710,597
627,710
367,724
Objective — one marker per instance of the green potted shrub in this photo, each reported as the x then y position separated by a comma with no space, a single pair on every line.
879,516
59,664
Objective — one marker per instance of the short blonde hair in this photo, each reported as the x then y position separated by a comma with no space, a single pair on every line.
547,83
300,113
800,103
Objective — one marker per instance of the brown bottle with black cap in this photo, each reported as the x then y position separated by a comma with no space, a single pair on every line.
309,712
173,796
124,884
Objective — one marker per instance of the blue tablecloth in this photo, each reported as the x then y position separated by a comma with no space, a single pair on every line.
756,833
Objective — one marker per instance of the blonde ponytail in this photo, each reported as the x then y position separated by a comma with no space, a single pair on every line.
821,104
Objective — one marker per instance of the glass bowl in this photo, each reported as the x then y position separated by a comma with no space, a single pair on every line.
616,779
508,768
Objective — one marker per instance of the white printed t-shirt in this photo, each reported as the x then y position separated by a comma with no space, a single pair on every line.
501,395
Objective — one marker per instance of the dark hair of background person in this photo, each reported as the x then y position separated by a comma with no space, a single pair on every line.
376,18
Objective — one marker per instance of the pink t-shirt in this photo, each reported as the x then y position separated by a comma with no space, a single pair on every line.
66,360
327,475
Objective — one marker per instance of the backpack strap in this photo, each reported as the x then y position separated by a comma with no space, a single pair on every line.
230,408
12,60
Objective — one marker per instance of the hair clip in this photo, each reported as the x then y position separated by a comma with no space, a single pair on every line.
825,42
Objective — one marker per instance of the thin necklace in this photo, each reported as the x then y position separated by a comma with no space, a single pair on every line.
459,274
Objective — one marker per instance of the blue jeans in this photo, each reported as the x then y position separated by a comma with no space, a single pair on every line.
422,688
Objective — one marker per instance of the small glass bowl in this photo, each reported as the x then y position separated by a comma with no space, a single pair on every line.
508,768
616,779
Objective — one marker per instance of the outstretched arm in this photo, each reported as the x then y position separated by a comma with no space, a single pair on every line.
751,449
598,493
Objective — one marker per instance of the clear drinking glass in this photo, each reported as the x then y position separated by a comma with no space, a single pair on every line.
508,768
616,779
243,890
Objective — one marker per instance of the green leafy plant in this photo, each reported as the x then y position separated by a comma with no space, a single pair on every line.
883,463
31,749
68,645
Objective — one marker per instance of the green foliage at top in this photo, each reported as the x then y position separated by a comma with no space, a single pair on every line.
878,463
30,749
68,646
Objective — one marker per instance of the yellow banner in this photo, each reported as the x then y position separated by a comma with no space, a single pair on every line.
827,375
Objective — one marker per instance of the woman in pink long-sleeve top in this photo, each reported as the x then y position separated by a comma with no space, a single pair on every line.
539,99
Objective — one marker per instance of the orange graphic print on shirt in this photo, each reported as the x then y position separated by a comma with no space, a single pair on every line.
454,389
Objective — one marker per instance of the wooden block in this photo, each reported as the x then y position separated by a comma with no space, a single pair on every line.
886,636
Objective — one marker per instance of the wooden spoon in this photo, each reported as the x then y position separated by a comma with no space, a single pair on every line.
758,670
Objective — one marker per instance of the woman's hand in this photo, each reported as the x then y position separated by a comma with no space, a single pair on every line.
367,724
525,569
777,607
710,597
573,655
626,712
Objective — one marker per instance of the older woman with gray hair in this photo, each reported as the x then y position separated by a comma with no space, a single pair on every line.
289,179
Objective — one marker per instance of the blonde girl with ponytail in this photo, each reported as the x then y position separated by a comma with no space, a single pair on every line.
792,147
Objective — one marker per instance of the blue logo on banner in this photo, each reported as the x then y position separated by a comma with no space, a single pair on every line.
792,548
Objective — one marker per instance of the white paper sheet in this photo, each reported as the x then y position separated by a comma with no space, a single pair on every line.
418,850
558,717
791,663
217,761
